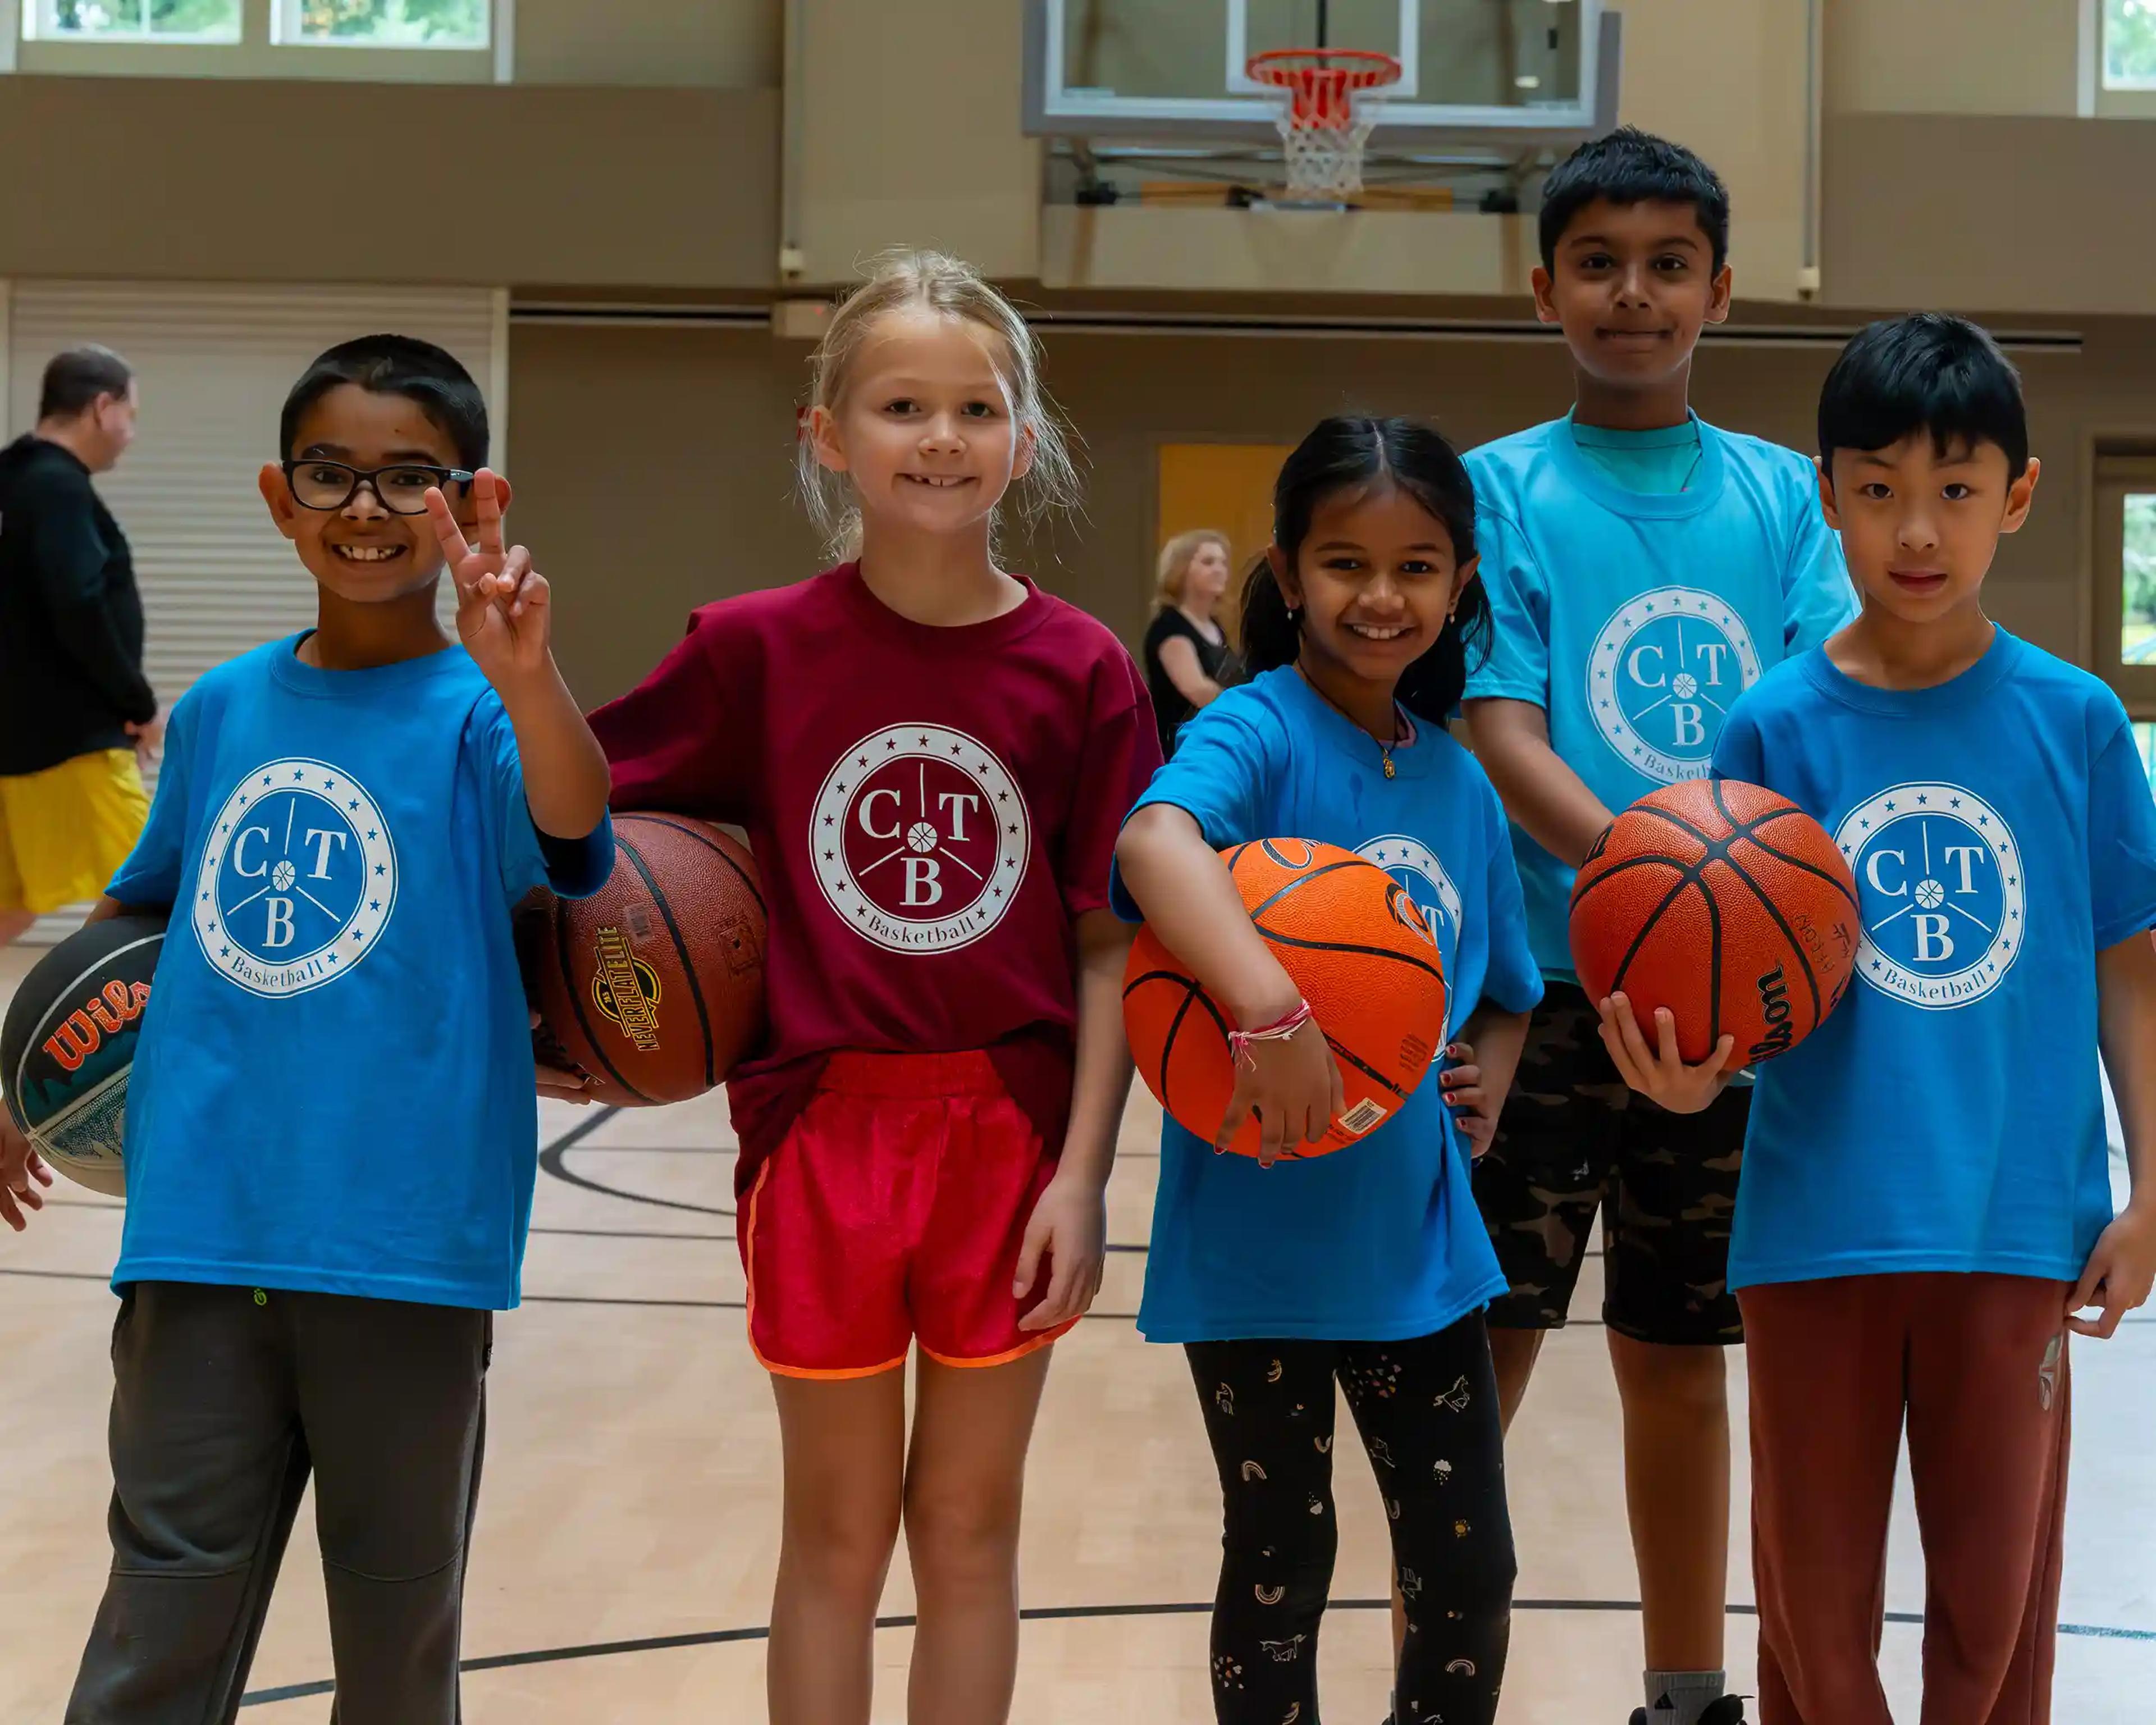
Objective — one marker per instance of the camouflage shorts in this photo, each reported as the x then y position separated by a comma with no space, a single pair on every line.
1574,1141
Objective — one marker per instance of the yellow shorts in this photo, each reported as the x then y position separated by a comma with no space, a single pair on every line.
65,831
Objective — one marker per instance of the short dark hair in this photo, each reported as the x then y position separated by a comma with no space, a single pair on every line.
1356,453
1626,166
75,380
1931,372
396,365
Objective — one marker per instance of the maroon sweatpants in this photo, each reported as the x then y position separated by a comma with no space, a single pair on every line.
1978,1364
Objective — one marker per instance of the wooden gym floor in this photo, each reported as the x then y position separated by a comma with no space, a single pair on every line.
628,1531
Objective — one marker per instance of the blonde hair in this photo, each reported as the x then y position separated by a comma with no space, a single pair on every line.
897,281
1176,556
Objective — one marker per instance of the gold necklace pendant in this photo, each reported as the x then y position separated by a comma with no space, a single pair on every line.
1388,764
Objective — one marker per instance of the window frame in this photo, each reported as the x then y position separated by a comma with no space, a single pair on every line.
255,54
2118,474
285,32
2100,98
40,23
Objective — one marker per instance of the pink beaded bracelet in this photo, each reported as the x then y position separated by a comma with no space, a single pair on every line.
1239,1041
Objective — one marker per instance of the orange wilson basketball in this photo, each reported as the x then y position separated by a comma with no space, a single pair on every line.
654,986
1727,904
1358,948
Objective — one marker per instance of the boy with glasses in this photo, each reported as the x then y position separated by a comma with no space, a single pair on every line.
327,1195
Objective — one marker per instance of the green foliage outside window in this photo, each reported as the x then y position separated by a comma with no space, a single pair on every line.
396,23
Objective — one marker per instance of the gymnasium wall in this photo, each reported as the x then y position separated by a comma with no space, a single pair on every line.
1973,57
653,464
719,44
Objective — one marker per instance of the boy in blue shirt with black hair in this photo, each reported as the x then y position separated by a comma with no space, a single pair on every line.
1644,568
1927,1207
331,1115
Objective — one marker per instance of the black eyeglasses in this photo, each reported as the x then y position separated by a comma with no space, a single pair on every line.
403,489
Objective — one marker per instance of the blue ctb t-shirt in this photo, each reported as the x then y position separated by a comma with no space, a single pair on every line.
1380,1240
1634,619
332,1092
1949,1116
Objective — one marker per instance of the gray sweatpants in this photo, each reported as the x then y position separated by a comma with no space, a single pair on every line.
225,1400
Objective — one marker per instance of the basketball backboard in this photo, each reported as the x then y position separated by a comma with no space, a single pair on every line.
1509,75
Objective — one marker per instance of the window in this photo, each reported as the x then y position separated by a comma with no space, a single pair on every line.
133,21
2125,610
384,23
2129,44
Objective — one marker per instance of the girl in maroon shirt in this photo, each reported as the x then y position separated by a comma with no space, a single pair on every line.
932,758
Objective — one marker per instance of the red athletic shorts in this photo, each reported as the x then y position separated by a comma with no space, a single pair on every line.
895,1209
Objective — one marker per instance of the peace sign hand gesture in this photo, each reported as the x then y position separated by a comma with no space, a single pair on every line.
503,613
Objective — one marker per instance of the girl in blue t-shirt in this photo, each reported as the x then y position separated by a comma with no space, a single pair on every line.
1370,1266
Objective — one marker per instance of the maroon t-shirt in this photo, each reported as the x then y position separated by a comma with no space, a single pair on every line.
930,809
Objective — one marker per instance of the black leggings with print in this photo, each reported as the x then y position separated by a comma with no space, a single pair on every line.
1427,1411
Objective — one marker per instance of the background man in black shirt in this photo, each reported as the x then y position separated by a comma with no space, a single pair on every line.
77,716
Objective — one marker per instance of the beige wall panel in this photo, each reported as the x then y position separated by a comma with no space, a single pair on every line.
1994,214
723,44
203,181
1284,251
909,127
1726,77
1969,57
654,473
653,466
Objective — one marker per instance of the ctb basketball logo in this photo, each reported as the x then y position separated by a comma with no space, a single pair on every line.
298,879
1662,677
1939,877
1415,865
920,838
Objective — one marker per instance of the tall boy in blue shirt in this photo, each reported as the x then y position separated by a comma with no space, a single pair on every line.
331,1117
1644,568
1927,1204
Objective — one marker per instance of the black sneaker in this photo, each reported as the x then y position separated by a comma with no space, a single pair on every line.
1724,1710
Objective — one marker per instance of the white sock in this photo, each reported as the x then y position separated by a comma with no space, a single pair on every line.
1680,1698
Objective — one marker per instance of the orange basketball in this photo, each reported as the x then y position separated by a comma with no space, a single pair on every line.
653,987
1358,948
1727,904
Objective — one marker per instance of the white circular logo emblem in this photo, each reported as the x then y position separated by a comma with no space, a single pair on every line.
298,879
921,839
1661,676
1938,877
1415,866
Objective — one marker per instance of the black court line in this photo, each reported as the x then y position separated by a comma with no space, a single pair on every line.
552,1159
1048,1614
1124,1317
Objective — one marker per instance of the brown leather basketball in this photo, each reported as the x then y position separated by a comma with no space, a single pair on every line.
654,986
1724,902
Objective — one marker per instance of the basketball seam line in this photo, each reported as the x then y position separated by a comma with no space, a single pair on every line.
1305,878
577,1006
1749,828
1788,934
1363,1066
1856,910
1174,1027
704,839
681,952
1277,939
1685,878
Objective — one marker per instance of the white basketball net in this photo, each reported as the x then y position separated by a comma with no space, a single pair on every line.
1325,161
1326,118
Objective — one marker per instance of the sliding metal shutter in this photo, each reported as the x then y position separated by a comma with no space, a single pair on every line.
214,363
